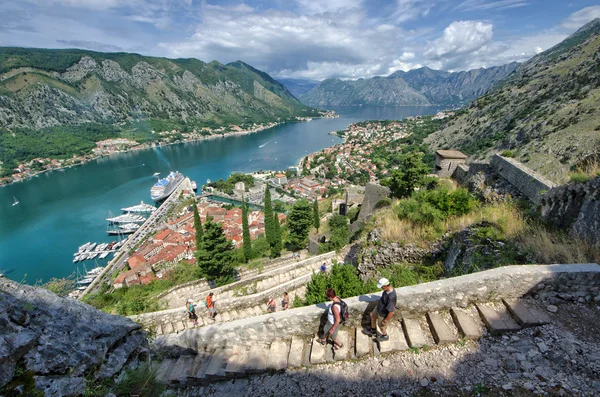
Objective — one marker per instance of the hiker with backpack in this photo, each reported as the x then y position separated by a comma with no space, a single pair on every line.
336,315
191,310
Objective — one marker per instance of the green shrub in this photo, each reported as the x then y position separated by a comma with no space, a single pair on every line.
342,278
430,207
140,382
507,153
579,178
386,202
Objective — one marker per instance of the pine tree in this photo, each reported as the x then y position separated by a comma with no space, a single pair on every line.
246,232
215,256
198,227
268,216
316,217
299,223
277,244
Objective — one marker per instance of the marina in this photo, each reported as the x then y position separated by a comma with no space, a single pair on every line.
140,208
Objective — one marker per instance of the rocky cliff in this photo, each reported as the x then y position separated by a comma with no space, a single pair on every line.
43,88
57,345
417,87
546,113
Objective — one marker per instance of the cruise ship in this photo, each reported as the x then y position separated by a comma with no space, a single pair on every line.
164,187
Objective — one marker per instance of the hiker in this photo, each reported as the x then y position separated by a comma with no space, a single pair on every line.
323,268
334,318
285,302
271,305
384,310
191,309
210,304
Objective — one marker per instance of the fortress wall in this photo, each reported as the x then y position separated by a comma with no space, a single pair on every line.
490,285
532,184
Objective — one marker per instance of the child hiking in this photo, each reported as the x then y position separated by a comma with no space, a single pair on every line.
191,310
210,305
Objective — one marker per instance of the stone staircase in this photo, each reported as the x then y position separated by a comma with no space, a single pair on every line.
242,299
407,332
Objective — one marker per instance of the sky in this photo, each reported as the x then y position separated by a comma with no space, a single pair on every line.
304,39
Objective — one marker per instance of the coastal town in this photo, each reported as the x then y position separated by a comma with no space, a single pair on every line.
107,147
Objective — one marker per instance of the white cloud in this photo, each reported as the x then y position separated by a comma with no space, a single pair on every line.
581,17
407,10
91,4
322,6
343,43
407,56
459,38
479,5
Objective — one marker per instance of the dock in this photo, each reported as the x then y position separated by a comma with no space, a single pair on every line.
120,259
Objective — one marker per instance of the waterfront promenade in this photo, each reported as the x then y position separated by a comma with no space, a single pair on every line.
148,227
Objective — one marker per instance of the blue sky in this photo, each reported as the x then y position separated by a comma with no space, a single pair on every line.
312,39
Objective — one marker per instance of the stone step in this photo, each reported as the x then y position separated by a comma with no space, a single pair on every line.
199,367
497,321
218,362
362,343
466,324
234,315
296,352
164,370
317,352
414,333
307,353
526,316
167,328
344,338
257,358
225,317
181,370
397,341
236,364
278,355
178,326
442,333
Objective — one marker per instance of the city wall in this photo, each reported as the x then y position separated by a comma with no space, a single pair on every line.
506,282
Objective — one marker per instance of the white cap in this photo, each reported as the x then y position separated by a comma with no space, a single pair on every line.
189,301
383,282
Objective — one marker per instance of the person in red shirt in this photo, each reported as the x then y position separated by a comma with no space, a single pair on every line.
212,313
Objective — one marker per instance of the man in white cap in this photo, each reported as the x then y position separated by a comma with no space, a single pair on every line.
384,310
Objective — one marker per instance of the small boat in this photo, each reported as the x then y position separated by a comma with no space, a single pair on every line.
15,201
93,255
156,174
104,255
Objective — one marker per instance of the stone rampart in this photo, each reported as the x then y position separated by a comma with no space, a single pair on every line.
575,206
490,285
530,183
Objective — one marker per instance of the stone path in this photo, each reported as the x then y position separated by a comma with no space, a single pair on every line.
246,298
407,332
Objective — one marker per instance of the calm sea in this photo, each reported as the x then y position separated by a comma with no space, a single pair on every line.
61,210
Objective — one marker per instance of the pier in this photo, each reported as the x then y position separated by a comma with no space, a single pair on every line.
149,226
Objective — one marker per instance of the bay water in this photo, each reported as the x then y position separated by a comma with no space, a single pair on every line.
63,209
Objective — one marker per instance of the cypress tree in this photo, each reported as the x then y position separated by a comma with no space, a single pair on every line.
299,222
277,244
215,256
198,227
316,217
246,232
268,216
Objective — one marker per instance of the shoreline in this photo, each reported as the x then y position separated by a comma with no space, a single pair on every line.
154,144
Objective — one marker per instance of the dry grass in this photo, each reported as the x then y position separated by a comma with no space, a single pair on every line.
506,216
549,247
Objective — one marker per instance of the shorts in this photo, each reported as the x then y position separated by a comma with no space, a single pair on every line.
378,319
327,328
212,310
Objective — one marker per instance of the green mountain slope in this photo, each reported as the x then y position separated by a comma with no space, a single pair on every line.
44,88
423,86
547,113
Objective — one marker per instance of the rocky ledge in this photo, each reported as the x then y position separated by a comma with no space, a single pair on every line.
60,344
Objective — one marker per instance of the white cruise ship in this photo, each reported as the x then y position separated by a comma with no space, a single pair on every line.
164,187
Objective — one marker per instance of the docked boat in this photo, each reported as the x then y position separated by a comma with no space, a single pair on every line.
104,255
164,187
126,218
194,186
95,271
141,208
93,255
91,247
84,247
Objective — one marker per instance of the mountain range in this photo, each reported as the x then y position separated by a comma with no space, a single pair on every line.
43,88
298,87
417,87
547,113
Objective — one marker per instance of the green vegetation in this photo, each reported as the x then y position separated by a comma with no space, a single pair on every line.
215,256
316,216
140,381
343,278
228,185
299,223
60,286
339,233
268,216
277,245
198,226
410,175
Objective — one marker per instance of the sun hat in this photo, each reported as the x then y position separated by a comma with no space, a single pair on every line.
189,301
383,282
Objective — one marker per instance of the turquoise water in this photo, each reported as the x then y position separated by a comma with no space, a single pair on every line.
61,210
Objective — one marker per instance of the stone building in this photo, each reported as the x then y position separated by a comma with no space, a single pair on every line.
446,161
